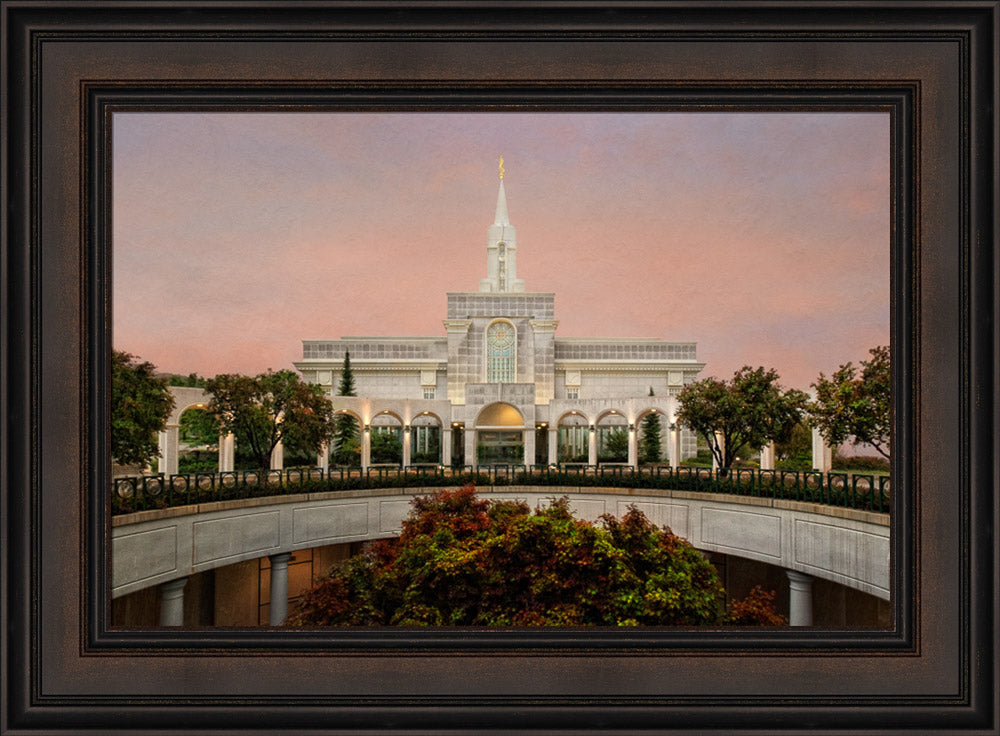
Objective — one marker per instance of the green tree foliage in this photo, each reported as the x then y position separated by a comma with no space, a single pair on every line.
198,427
650,439
857,406
386,448
795,452
346,442
615,449
749,410
269,408
140,405
191,380
464,561
433,452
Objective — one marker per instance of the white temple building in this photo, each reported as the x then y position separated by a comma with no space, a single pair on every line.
499,386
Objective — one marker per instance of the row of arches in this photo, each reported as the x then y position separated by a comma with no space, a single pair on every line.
500,433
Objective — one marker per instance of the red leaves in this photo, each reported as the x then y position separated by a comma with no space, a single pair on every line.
757,609
464,561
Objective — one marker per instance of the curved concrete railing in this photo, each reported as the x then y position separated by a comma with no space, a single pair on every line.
846,546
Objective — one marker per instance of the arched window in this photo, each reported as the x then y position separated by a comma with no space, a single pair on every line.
501,352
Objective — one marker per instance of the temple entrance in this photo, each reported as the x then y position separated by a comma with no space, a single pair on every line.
500,447
500,436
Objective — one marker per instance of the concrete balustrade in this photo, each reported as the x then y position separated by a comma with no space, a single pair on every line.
845,546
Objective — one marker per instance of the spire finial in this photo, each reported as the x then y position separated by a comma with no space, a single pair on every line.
501,166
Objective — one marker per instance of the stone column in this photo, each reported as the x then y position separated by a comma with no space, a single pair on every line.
279,588
323,457
592,448
470,446
446,446
675,446
633,447
227,452
407,435
278,457
172,602
767,457
458,331
528,437
366,448
553,445
800,602
169,449
821,452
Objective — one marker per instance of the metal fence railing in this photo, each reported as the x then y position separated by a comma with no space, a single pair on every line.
857,491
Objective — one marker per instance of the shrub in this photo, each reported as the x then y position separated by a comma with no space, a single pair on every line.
870,463
461,560
757,609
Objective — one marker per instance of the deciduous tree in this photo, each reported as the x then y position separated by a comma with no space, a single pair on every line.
265,409
140,405
857,406
198,427
461,560
750,410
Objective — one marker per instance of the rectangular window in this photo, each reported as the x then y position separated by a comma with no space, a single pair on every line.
572,393
428,393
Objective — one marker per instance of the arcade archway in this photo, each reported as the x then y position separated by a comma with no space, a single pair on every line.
500,435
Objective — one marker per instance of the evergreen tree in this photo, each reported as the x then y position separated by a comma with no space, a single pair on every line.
346,446
346,387
650,442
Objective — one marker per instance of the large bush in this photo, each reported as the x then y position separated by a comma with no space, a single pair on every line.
461,560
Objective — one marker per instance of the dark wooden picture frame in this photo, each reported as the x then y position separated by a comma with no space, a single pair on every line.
67,68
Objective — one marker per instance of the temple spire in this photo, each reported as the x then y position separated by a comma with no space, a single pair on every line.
501,218
501,248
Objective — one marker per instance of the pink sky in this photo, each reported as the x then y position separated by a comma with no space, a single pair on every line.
764,237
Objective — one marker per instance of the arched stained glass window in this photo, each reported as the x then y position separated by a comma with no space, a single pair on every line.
501,352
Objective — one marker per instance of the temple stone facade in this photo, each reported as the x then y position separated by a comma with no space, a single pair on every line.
500,386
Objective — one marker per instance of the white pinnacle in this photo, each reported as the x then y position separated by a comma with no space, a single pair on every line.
502,218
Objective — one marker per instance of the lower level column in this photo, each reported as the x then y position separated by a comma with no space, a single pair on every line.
800,599
172,602
553,445
279,588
